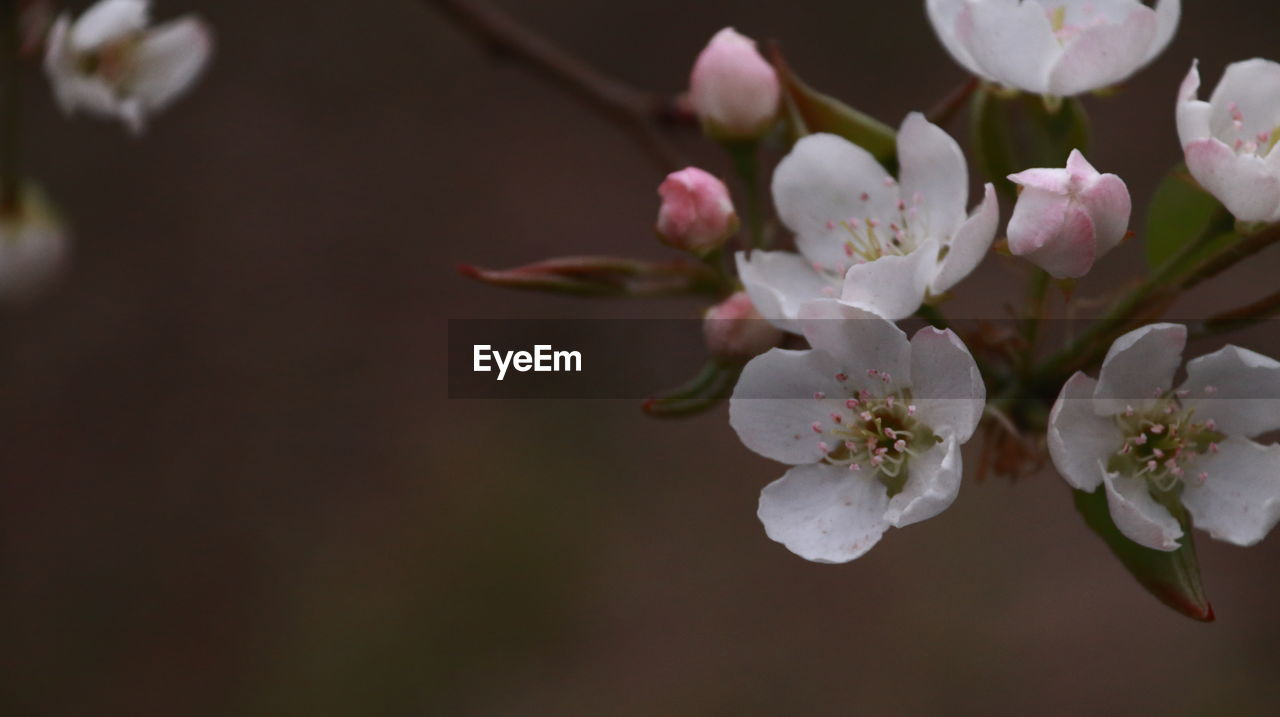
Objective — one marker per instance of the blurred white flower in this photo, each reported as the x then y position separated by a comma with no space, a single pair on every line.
1066,219
108,62
33,245
1153,447
871,422
1054,47
1230,140
863,237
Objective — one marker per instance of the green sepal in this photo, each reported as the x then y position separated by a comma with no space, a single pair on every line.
712,385
604,276
809,110
1172,577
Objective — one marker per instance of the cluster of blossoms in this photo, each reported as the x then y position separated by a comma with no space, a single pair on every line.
871,422
111,62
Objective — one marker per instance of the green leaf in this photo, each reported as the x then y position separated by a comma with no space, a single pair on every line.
603,276
811,111
1180,212
713,384
1172,577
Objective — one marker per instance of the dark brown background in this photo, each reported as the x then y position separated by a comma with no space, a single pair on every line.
233,485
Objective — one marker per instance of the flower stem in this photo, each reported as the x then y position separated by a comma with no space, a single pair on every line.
10,107
746,164
1031,329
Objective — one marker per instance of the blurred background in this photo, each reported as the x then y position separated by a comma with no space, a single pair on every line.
233,483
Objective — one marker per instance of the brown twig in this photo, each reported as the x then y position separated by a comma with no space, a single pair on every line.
948,107
1266,308
643,114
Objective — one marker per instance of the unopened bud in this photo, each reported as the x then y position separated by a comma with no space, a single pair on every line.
1066,219
734,91
697,214
735,331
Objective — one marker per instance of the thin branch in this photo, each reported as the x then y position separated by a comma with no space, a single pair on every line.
948,107
1262,310
644,114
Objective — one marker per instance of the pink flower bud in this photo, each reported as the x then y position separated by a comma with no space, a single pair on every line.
1066,219
697,214
733,89
734,330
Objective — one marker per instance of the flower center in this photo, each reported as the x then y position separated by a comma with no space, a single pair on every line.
1259,145
1162,441
868,238
876,435
113,61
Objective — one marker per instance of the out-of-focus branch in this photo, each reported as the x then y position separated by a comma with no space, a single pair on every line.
10,106
644,114
948,107
1243,317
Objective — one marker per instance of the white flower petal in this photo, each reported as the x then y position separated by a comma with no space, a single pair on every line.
934,176
1011,41
861,341
1248,187
778,282
946,386
109,20
892,286
1239,499
781,397
820,184
1254,88
169,60
1081,441
1139,516
1109,205
1053,232
1238,388
933,480
1168,13
1193,113
824,513
1139,367
943,15
970,244
1104,53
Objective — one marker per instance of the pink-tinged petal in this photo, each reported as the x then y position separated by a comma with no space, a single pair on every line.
861,340
1168,13
1249,91
732,88
1139,516
946,385
1081,441
820,185
970,244
734,331
697,213
1139,367
1244,183
782,405
1012,41
1054,181
1193,113
1238,499
1107,201
1104,53
933,481
778,282
1079,167
1054,233
824,513
944,16
935,180
1239,389
892,286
